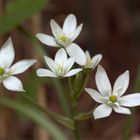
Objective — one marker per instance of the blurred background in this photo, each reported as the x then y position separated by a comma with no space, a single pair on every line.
111,28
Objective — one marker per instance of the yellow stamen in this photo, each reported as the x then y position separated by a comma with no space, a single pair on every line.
113,98
63,38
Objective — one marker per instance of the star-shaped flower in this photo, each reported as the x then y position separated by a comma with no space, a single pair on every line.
64,37
60,66
7,71
112,99
91,63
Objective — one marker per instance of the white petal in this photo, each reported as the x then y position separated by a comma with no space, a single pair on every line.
12,83
102,81
87,54
76,33
95,95
96,60
60,56
72,72
75,51
68,64
121,110
102,111
45,73
56,29
22,66
47,40
69,24
121,84
7,54
130,100
50,63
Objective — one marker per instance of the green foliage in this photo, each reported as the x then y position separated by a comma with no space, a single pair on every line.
35,116
17,11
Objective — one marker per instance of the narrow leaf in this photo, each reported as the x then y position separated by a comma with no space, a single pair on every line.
35,116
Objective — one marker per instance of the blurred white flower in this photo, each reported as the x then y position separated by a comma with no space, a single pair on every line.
60,66
64,37
7,71
91,63
112,99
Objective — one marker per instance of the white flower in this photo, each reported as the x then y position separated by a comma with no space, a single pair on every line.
60,67
7,71
63,37
91,63
111,99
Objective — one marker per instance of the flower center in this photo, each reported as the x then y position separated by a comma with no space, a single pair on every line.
113,98
89,64
60,69
2,71
63,38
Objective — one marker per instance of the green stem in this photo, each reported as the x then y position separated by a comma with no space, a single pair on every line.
85,81
74,112
84,116
62,96
72,98
76,131
75,93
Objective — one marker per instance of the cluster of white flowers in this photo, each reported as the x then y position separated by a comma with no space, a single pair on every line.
68,54
63,39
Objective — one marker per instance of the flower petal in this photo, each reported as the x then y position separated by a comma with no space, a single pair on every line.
102,111
12,83
130,100
69,24
102,81
22,66
50,63
60,56
68,64
121,84
87,54
56,29
76,33
47,40
95,95
96,60
7,54
121,110
75,51
72,72
45,73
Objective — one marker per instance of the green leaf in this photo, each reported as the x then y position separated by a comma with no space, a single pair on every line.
17,12
35,116
60,119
